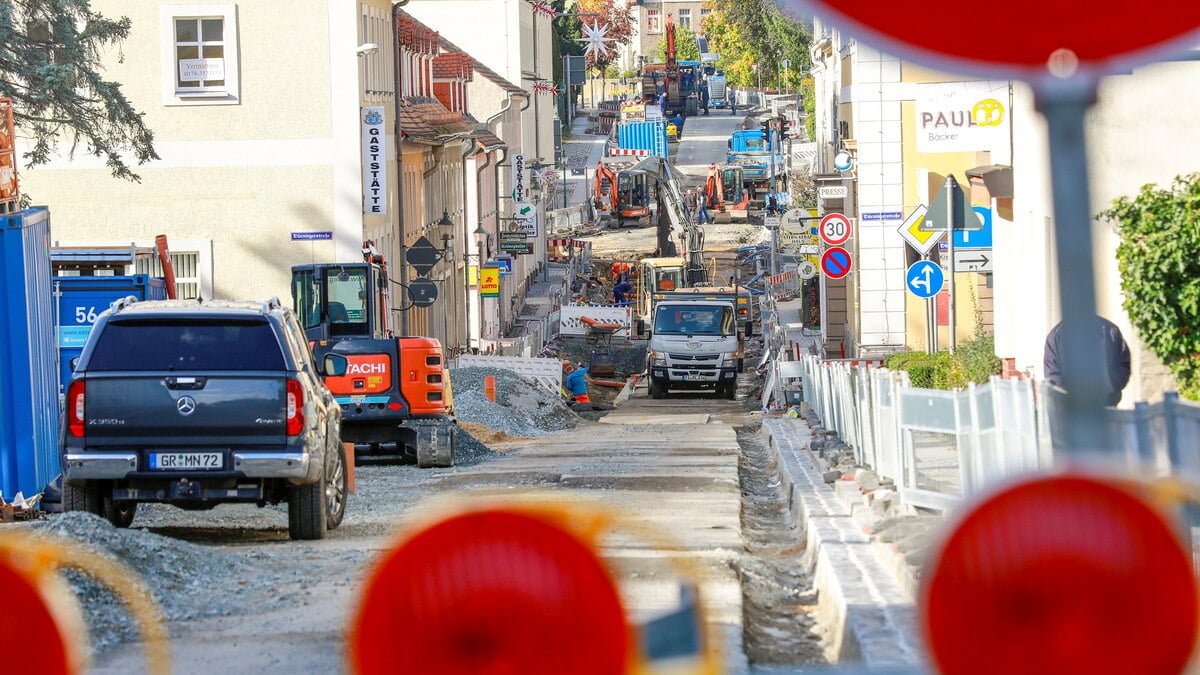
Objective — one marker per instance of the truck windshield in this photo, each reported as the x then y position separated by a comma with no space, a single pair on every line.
694,320
187,345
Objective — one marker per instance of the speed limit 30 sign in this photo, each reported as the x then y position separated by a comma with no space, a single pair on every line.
835,229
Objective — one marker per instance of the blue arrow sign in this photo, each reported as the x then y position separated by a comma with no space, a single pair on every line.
924,279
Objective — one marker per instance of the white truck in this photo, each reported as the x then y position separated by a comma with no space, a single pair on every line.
694,344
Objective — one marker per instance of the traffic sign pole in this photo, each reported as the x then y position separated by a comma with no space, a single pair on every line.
949,187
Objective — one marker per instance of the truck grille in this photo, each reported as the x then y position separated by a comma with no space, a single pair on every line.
694,357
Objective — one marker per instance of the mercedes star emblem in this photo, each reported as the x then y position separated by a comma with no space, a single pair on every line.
186,405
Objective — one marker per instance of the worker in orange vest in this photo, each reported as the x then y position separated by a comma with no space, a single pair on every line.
576,381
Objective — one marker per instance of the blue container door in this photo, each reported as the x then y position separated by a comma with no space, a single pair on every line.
80,300
29,404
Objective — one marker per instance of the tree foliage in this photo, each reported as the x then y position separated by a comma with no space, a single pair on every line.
50,66
686,47
1159,260
748,32
620,27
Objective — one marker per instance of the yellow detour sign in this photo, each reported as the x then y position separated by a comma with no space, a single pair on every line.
514,586
489,282
42,630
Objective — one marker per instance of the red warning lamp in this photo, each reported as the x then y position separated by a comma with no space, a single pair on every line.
491,592
34,641
1063,574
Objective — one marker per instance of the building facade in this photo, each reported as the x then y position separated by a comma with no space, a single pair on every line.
906,127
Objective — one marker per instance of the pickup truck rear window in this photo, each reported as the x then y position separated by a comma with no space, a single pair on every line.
186,345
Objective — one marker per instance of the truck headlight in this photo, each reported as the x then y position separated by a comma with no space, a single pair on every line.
729,357
658,359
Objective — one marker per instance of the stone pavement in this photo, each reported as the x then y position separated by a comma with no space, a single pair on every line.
871,618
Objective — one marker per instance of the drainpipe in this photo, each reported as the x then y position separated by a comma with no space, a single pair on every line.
499,305
396,98
470,150
487,160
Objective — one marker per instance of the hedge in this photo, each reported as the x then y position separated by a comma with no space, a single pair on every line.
974,361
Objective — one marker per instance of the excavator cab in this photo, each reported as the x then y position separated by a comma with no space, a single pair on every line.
336,301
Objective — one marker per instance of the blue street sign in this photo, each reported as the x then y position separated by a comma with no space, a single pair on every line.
924,279
312,236
883,215
981,238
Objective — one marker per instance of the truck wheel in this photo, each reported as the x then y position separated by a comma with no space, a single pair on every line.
656,389
336,490
82,497
306,510
731,391
119,512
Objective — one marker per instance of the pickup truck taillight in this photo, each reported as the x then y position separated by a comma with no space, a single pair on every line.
295,408
75,408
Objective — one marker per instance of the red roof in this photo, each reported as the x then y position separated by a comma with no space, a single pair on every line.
426,120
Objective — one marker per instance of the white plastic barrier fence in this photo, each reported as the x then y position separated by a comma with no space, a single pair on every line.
547,372
571,323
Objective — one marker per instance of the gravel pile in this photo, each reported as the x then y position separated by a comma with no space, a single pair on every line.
522,407
187,581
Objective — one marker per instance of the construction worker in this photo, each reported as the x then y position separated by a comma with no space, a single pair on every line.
576,381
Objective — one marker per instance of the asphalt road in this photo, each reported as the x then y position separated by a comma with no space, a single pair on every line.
668,468
705,140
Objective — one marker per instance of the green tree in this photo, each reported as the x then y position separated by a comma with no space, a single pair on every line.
1159,260
50,66
745,32
686,47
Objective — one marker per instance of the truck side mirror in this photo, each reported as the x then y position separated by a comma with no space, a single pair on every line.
335,365
641,327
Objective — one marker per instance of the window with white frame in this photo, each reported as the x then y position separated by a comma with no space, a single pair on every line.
704,12
685,18
200,54
653,21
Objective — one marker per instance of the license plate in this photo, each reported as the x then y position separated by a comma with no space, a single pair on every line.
187,461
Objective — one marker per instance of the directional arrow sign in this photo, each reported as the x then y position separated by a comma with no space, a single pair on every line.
916,237
973,260
924,279
964,216
524,210
422,255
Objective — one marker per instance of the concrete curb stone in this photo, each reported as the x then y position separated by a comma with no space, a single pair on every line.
868,616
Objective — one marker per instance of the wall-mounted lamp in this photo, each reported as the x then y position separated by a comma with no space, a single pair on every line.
446,222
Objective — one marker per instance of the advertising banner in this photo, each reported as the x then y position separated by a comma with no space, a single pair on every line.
374,164
489,282
963,117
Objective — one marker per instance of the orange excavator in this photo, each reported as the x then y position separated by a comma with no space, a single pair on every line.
396,389
724,189
624,196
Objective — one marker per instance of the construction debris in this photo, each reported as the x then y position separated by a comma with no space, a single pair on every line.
20,508
523,408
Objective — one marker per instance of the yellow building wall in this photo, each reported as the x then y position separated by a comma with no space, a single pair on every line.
939,165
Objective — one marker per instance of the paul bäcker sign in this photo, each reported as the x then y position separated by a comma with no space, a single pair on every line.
962,117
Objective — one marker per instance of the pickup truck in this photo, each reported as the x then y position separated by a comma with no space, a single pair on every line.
196,404
693,345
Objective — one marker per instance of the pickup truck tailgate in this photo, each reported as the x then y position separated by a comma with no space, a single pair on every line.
209,409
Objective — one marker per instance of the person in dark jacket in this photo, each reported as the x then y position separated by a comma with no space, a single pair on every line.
1116,359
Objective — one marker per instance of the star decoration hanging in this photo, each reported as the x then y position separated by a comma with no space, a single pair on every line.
545,88
545,9
596,37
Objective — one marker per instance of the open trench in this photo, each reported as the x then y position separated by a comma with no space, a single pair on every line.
778,599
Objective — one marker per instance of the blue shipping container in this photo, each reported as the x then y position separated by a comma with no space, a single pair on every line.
651,136
80,299
29,407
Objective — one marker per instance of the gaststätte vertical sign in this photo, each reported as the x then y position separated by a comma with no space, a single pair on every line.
518,178
374,166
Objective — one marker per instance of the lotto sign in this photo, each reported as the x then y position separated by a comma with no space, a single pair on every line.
835,229
835,263
489,282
